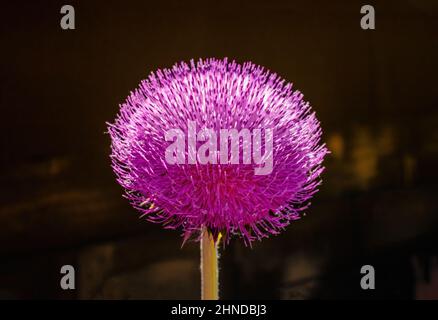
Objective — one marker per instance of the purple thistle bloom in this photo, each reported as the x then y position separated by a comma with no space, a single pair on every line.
227,198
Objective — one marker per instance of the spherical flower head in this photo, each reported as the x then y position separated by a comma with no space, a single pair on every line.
174,152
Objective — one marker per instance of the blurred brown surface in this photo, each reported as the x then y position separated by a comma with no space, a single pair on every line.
374,93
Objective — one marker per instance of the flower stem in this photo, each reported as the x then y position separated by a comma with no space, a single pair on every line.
209,266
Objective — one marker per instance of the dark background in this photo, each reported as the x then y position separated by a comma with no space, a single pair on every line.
375,92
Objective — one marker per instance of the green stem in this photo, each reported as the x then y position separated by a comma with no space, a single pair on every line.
209,266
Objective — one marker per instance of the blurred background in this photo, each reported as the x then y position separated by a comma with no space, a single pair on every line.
374,91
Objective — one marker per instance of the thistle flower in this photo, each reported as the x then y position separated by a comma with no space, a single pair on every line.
227,198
